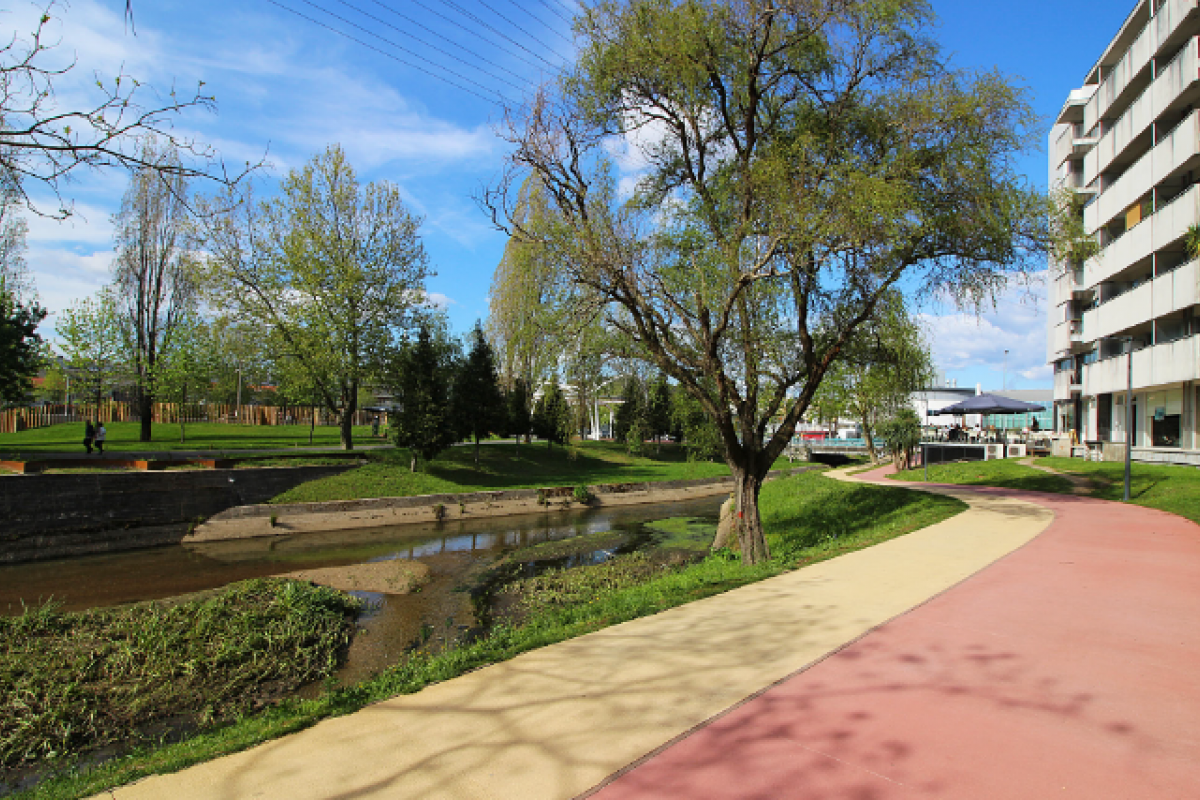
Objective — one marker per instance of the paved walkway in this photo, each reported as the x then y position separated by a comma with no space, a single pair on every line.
1065,669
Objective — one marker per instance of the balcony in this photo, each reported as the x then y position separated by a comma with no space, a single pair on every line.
1177,289
1060,339
1164,227
1171,153
1066,384
1171,362
1120,314
1161,32
1072,143
1174,79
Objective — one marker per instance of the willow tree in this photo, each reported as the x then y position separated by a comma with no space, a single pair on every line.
330,271
797,160
525,305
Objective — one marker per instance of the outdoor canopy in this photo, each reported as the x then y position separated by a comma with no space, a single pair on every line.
988,404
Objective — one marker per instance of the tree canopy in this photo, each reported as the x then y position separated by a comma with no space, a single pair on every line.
801,160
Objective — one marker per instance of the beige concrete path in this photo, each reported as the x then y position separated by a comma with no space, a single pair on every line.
556,722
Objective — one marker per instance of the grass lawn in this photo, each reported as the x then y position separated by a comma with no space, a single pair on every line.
1006,473
123,437
503,465
808,518
1168,488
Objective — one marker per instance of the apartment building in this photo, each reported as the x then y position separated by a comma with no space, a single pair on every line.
1128,144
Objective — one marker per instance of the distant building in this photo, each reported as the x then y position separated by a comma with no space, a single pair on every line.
1128,143
936,398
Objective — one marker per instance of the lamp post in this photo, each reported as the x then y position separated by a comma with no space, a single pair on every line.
1128,410
1004,375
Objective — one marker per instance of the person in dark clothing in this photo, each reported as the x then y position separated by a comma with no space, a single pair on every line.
89,433
101,433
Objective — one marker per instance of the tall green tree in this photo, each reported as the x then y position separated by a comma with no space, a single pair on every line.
332,270
154,280
478,404
658,409
93,343
185,371
422,375
801,160
631,411
519,418
552,417
20,347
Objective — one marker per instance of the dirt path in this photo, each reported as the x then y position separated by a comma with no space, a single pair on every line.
1079,484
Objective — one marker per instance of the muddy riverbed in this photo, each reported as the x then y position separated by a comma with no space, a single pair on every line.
428,600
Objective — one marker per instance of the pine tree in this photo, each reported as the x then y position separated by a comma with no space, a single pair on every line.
630,410
519,420
552,418
424,424
478,405
658,409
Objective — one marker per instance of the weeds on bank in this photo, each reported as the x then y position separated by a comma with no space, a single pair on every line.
71,682
808,519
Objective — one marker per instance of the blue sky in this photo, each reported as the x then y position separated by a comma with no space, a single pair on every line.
287,87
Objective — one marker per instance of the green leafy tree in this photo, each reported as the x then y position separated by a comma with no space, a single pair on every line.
333,270
518,419
20,347
658,409
630,412
421,376
478,404
552,417
154,279
695,427
901,435
185,371
883,365
94,345
802,159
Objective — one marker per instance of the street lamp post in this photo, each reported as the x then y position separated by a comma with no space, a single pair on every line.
1128,411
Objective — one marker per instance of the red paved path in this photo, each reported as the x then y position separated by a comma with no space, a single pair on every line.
1069,669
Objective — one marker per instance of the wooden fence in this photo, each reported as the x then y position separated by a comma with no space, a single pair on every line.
19,419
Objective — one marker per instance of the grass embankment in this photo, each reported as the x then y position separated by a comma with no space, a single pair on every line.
1168,488
503,466
808,519
216,436
71,682
1005,473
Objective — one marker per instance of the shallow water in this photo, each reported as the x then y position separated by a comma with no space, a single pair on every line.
440,612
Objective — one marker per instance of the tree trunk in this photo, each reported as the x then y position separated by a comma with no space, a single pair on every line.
870,439
345,426
477,451
749,523
182,421
312,423
412,463
145,409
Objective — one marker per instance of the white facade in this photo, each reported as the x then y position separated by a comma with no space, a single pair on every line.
1128,142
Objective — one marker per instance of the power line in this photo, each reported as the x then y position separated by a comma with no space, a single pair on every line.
392,56
471,16
535,18
477,34
555,11
402,32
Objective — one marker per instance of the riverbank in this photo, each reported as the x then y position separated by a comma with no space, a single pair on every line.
807,517
116,678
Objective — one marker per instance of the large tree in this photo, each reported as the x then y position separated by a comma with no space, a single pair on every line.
332,269
154,278
423,372
478,404
20,347
801,159
93,343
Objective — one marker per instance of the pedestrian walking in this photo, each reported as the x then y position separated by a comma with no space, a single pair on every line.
100,434
89,433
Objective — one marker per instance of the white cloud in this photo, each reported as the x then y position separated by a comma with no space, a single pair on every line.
965,342
439,300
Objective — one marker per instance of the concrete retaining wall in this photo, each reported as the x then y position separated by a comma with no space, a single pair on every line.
50,516
272,520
